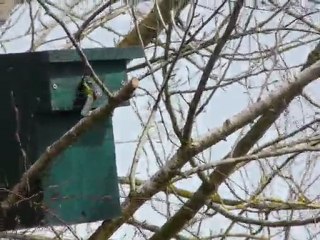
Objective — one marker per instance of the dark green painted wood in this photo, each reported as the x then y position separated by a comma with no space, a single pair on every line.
70,55
96,54
81,185
64,79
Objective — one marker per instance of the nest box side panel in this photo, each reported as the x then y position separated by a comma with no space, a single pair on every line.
20,87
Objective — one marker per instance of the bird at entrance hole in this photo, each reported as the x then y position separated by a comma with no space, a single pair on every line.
87,92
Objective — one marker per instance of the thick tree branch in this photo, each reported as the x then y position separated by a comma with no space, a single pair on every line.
182,156
150,27
262,204
222,172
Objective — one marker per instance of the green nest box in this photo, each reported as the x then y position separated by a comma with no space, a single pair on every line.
37,107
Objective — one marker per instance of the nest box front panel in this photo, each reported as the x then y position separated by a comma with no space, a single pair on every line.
81,185
65,78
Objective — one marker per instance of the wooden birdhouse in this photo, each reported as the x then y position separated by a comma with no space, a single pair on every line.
37,107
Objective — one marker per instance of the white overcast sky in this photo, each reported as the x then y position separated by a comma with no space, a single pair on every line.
126,124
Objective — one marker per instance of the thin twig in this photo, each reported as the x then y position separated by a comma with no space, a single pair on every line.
207,71
78,49
86,23
264,154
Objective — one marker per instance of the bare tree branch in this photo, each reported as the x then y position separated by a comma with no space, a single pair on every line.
221,173
206,73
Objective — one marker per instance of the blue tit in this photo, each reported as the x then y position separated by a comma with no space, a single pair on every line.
87,93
